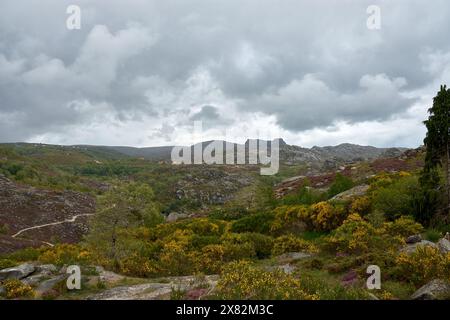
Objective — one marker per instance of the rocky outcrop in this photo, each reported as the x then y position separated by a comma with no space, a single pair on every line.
435,289
411,248
357,191
18,272
444,245
153,290
292,256
413,239
174,216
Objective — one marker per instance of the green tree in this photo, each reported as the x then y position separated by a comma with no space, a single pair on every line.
437,149
121,209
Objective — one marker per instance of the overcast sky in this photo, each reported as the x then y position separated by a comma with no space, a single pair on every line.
141,72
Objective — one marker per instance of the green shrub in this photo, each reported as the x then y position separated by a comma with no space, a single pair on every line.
432,235
4,229
396,199
341,183
404,226
262,244
17,289
242,281
259,223
290,243
7,263
423,265
27,254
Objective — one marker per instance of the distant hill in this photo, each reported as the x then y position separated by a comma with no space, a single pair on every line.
289,154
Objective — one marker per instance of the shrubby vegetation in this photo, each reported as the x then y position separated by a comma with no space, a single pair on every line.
242,281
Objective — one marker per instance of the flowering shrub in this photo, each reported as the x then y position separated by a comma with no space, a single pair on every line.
17,289
321,216
242,281
65,254
290,243
325,216
423,265
355,236
404,226
289,218
136,265
211,259
361,206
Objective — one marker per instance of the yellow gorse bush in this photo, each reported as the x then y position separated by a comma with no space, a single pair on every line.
65,254
290,243
356,235
17,289
425,264
288,217
242,281
321,216
325,217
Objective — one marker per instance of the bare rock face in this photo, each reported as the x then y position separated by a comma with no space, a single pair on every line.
444,245
292,256
414,239
411,248
435,289
357,191
174,216
18,272
152,291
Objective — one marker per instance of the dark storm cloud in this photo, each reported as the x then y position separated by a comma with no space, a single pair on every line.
308,63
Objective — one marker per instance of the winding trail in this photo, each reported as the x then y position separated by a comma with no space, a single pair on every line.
71,220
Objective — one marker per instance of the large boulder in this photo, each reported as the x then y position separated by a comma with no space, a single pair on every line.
18,272
354,192
49,284
292,256
411,248
414,239
47,269
174,216
444,245
433,290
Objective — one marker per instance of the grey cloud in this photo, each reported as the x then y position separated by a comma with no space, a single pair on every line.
308,63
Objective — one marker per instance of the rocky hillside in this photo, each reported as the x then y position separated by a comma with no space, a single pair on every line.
39,215
289,154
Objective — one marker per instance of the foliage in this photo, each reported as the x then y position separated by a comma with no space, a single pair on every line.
423,265
358,236
290,243
432,235
321,216
341,183
325,216
396,198
259,222
404,226
7,263
242,281
437,147
17,289
65,254
289,219
126,206
305,195
361,206
4,228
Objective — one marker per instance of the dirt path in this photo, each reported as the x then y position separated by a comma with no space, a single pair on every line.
71,220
